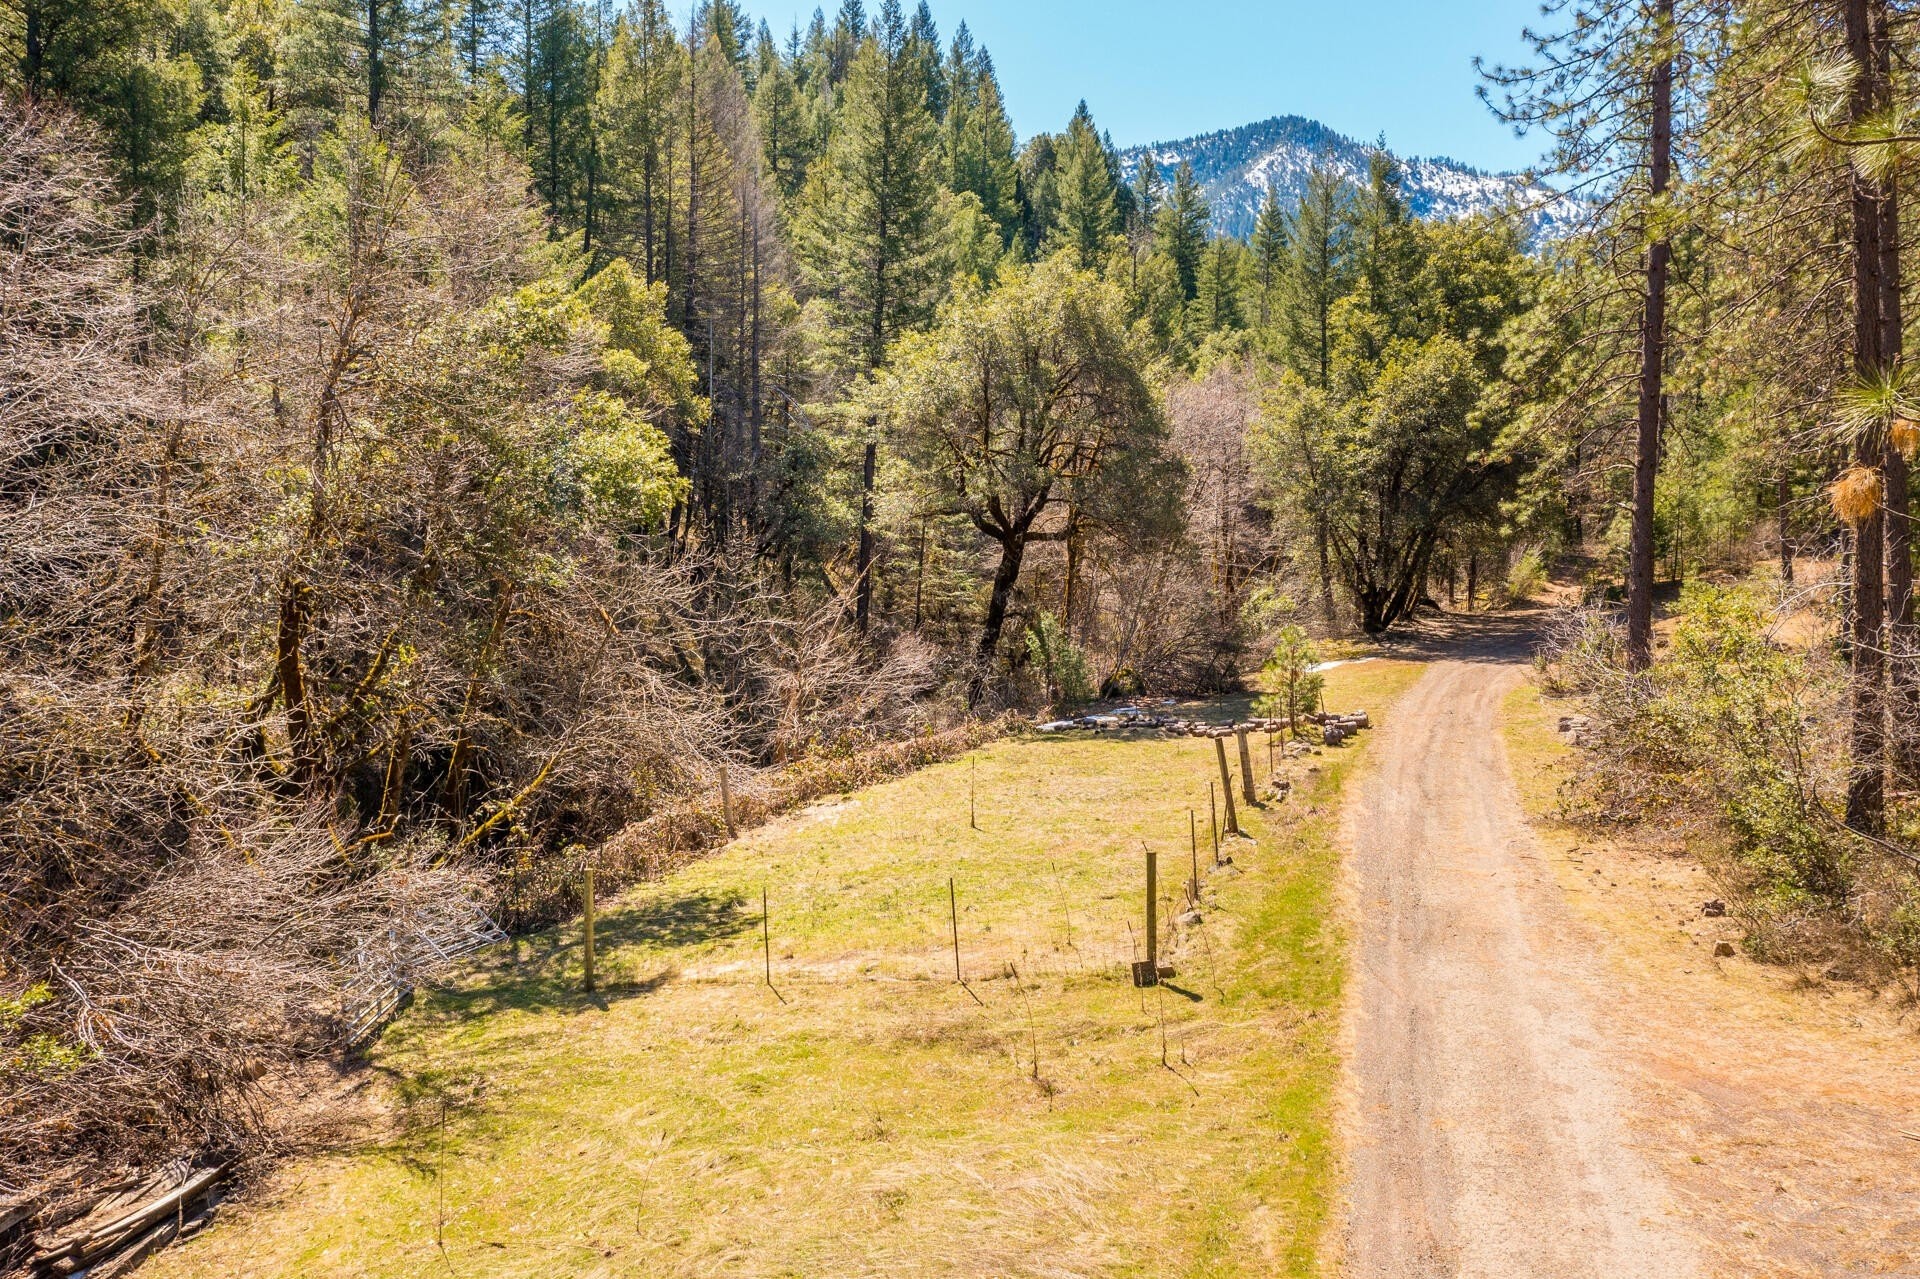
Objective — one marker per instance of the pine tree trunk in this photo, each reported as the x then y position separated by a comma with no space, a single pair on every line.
1904,704
1327,613
1653,356
1866,784
376,65
863,600
693,175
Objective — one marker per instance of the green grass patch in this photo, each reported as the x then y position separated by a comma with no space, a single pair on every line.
868,1115
1537,756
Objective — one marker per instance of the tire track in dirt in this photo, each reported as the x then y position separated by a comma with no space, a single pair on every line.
1488,1124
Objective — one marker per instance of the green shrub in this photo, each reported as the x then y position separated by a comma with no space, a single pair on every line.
1296,688
1061,663
38,1053
1526,575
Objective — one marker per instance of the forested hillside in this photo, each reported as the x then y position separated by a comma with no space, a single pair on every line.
440,439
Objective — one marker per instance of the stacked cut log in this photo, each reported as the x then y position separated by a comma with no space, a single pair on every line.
1334,729
122,1224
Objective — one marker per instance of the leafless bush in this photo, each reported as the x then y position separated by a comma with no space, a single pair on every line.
177,1020
1171,612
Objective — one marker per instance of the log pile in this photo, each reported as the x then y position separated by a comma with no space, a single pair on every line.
112,1230
1333,729
1105,721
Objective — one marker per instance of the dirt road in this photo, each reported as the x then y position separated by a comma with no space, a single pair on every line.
1490,1132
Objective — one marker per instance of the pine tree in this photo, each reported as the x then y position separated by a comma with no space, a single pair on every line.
556,68
639,130
1117,175
120,63
1180,229
1148,188
787,133
979,139
726,23
866,238
1216,304
1269,252
1085,213
812,58
1039,190
923,47
849,30
1316,273
1383,245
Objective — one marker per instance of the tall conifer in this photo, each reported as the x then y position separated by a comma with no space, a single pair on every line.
1180,228
1269,252
1085,213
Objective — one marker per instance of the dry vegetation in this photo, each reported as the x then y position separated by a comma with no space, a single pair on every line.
1733,746
331,611
1775,1097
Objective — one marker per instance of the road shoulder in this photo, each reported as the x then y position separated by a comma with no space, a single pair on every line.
1774,1101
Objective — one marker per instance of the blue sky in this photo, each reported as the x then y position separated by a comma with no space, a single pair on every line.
1153,71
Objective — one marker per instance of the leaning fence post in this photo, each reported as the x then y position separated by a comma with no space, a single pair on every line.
1193,845
1226,785
1213,822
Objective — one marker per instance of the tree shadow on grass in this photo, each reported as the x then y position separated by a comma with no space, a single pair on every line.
543,971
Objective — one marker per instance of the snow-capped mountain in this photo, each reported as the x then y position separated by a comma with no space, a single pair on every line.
1234,166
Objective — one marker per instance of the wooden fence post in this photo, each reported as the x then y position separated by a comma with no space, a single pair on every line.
1193,842
1146,972
1226,785
588,903
1249,788
726,802
1153,910
953,910
1193,848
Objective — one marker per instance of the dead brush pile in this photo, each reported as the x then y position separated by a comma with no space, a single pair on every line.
336,606
1735,746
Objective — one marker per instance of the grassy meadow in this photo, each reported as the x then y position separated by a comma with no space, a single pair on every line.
867,1115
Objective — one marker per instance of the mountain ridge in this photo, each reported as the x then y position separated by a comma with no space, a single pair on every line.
1234,166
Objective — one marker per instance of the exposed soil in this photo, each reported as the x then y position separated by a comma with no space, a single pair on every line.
1489,1130
1550,1072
